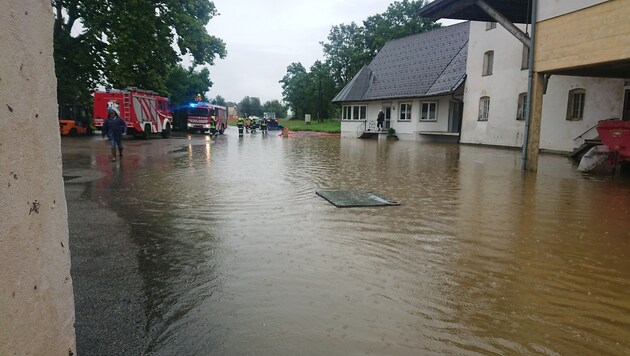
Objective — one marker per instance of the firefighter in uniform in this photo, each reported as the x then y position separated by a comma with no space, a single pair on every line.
263,126
213,126
240,123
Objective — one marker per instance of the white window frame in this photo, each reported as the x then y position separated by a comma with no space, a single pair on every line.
522,105
353,112
484,108
406,111
424,114
488,63
576,104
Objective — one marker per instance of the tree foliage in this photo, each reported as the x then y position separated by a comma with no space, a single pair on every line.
128,43
275,106
184,84
249,106
348,48
219,100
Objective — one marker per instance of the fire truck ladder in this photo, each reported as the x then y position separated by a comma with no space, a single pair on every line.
126,105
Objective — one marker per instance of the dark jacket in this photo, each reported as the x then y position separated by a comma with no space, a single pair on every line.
114,128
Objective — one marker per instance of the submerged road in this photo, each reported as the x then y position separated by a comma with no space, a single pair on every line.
197,246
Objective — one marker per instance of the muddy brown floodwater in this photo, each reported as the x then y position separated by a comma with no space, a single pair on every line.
239,256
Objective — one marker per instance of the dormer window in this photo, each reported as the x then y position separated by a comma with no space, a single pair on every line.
490,25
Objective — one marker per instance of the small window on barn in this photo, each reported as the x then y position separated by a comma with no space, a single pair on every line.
490,25
484,108
575,108
525,58
522,105
488,61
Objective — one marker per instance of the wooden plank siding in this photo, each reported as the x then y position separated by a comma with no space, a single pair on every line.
594,35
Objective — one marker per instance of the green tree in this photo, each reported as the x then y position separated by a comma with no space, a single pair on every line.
219,100
184,84
249,106
294,89
129,43
345,52
398,21
276,107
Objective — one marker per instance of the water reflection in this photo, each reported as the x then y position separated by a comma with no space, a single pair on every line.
239,256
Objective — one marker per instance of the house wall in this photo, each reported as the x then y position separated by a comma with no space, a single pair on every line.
603,96
36,300
603,101
597,34
405,130
503,87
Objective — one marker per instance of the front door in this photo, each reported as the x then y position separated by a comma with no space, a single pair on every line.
455,116
387,109
626,106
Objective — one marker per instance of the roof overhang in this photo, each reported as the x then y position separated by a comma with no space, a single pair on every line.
514,10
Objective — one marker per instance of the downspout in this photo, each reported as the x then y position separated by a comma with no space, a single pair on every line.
530,79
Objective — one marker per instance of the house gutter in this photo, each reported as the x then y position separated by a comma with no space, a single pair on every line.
530,79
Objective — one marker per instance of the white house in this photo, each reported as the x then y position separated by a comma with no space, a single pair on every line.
418,83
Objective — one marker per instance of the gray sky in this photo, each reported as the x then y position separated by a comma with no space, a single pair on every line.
264,37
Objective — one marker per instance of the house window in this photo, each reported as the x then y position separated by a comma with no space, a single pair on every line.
575,109
429,111
490,25
484,108
525,58
488,61
522,105
354,112
405,112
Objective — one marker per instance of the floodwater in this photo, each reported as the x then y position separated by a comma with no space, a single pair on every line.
239,256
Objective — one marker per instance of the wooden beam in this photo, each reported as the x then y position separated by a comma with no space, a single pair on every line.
505,22
533,137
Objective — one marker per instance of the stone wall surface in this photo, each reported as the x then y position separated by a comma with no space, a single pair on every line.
36,300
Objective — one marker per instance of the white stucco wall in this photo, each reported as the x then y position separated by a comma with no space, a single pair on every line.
36,301
405,130
603,96
503,87
603,101
552,8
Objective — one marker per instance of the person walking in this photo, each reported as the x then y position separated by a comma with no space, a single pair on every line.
114,127
379,120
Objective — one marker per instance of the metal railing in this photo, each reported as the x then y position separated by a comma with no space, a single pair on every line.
361,129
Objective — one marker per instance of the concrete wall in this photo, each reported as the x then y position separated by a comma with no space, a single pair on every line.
603,96
36,300
597,34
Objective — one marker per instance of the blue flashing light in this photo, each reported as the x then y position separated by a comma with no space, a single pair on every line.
192,105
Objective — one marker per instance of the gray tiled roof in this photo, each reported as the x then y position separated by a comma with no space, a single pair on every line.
425,64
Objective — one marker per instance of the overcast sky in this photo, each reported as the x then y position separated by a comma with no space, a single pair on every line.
263,37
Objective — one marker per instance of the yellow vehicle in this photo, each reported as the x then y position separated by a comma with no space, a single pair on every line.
75,120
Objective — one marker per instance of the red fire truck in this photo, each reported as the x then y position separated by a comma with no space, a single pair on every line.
144,111
196,116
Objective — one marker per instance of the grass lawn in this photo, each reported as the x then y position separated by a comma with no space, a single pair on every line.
329,126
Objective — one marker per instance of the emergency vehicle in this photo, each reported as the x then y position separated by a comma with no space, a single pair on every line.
196,116
144,111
